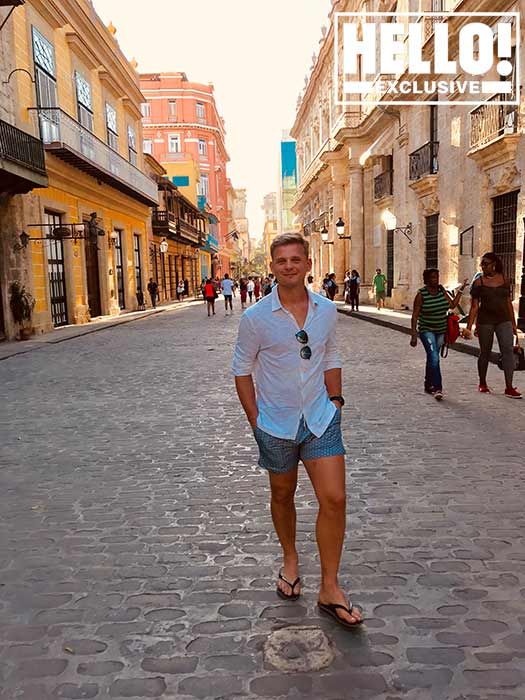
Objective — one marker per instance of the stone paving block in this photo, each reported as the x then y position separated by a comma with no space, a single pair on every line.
138,688
99,668
77,692
172,665
210,687
38,668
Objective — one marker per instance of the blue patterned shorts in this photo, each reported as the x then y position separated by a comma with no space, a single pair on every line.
280,456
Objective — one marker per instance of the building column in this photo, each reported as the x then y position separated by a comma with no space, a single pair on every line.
355,215
339,245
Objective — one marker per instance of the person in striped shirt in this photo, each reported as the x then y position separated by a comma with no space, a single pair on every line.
429,318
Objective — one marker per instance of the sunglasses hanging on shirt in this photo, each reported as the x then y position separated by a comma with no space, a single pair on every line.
306,351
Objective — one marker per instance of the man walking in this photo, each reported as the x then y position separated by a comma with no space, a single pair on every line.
153,289
227,290
287,342
379,283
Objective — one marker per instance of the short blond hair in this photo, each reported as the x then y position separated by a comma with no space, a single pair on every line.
288,239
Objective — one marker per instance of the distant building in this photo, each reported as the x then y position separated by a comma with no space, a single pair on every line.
287,185
270,223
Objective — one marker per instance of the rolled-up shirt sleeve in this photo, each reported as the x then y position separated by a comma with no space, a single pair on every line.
246,349
331,358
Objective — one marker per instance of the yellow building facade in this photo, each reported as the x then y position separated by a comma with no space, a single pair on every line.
88,250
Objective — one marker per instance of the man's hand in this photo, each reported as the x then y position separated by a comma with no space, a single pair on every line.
466,333
413,340
253,422
337,403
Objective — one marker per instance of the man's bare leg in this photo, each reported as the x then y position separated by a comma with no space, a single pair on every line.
327,475
284,518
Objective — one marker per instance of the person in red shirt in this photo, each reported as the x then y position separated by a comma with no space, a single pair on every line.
210,296
257,289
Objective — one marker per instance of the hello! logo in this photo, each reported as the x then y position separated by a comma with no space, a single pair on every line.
404,57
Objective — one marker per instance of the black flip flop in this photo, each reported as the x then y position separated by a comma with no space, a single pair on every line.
332,608
292,595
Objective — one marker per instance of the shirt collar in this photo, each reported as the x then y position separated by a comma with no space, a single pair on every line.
276,302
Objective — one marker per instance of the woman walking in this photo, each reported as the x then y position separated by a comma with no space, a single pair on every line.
354,285
429,317
243,287
493,313
180,290
210,294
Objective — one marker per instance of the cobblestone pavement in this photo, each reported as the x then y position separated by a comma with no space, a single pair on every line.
136,554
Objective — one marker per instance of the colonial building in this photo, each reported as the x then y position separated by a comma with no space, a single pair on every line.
270,224
239,230
287,186
415,186
85,242
178,229
185,133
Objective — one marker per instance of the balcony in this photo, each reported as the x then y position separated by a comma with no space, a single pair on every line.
22,160
491,120
424,161
68,140
166,223
383,185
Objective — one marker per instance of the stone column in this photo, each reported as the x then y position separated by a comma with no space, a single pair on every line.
339,245
356,225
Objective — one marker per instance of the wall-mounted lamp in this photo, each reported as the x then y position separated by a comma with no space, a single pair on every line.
324,236
390,223
339,229
112,239
163,246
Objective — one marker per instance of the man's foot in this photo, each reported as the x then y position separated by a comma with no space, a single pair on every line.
512,393
329,602
289,583
438,394
429,390
483,389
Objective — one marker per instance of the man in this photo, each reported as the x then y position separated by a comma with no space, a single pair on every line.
287,341
379,283
251,287
153,289
331,286
227,290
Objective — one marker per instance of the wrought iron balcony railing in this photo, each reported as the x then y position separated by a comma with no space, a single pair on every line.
383,184
22,148
491,120
424,161
69,140
170,224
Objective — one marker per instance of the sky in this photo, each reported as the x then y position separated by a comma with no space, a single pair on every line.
256,55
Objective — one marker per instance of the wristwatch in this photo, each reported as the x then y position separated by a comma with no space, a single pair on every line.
338,398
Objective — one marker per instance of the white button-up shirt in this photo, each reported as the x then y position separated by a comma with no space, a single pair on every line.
287,386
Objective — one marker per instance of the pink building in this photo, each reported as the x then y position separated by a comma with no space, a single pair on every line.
185,133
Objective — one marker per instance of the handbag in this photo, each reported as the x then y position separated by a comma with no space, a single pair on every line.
519,358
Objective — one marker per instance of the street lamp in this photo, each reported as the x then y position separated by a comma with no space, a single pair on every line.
112,239
324,236
339,229
390,223
163,246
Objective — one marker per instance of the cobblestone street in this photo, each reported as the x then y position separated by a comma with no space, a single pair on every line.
137,558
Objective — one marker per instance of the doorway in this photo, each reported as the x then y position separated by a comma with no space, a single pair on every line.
55,272
93,278
389,262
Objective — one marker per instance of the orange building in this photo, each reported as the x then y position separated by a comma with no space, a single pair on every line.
185,133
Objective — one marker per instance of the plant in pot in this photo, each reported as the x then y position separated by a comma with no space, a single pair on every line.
22,304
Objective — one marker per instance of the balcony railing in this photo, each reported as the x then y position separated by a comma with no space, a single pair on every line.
162,218
75,144
170,224
188,231
424,161
21,148
491,120
383,184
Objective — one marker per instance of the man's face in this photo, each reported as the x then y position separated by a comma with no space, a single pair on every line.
290,265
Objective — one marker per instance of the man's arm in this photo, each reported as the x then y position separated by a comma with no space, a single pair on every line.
332,362
334,383
246,393
418,302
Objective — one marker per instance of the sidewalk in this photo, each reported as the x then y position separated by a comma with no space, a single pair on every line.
60,335
401,321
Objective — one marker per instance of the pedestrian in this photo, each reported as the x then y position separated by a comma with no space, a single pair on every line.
429,318
257,289
153,289
287,343
379,283
180,290
235,288
346,286
251,287
491,309
243,287
227,291
210,294
266,286
354,287
331,286
310,283
324,286
186,288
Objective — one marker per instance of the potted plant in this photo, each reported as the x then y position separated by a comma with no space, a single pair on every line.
22,304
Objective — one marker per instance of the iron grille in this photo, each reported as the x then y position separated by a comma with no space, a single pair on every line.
56,273
504,211
119,270
431,241
424,161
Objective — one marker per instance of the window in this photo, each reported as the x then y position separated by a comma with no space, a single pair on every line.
147,146
504,217
145,109
46,86
174,143
203,147
85,109
203,187
431,247
137,262
132,145
119,269
200,109
172,110
111,127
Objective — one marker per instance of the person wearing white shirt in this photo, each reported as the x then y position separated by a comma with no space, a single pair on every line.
227,290
251,287
287,343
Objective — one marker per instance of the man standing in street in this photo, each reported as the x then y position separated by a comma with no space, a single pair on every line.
287,343
379,283
227,290
153,289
